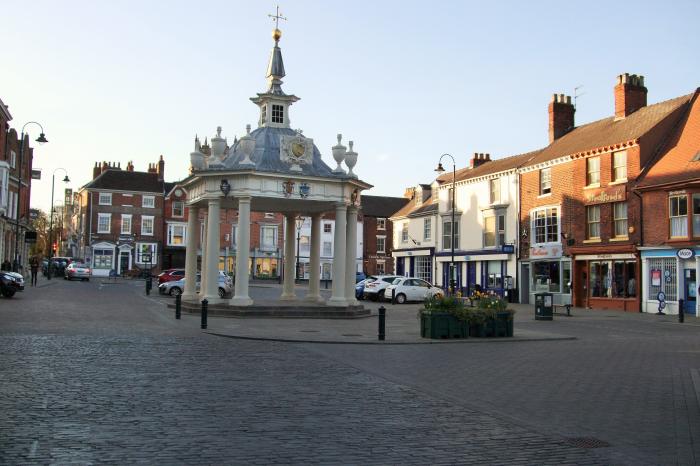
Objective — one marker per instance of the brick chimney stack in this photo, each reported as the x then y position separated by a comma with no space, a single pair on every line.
561,116
630,95
105,166
161,169
409,193
130,166
96,170
152,168
479,159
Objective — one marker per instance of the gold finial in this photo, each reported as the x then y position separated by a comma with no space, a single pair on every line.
277,34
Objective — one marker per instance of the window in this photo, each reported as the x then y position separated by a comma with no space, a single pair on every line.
545,225
663,277
495,186
447,234
105,199
494,231
126,224
624,279
263,114
176,235
424,268
593,171
266,267
148,201
696,214
545,181
146,251
619,166
269,215
427,227
381,224
102,258
103,223
234,233
494,277
13,159
268,237
147,225
678,213
277,114
4,186
546,276
327,249
620,219
593,218
380,270
178,209
304,245
404,233
328,228
381,242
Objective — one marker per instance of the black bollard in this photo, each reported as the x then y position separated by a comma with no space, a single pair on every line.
382,323
205,305
178,306
149,284
681,311
393,296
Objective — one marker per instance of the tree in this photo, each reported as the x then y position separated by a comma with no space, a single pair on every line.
40,224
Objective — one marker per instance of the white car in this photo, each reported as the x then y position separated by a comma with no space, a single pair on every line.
374,290
411,289
176,287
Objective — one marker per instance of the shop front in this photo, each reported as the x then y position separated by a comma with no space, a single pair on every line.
673,272
417,263
607,281
485,270
546,271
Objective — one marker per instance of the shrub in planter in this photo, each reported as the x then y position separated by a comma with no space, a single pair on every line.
442,317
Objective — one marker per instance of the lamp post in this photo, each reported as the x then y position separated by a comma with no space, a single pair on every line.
41,139
440,169
50,253
299,223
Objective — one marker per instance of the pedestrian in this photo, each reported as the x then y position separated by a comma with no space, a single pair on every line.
34,265
6,265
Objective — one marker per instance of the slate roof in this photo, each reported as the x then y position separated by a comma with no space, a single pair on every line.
381,206
678,160
124,180
411,210
493,166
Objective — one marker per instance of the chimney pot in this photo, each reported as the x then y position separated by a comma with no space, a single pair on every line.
630,95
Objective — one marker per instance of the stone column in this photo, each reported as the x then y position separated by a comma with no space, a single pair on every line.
338,292
351,254
314,293
212,270
190,293
203,247
289,258
241,297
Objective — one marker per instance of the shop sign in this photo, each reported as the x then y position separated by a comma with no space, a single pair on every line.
593,257
685,253
546,251
603,196
508,248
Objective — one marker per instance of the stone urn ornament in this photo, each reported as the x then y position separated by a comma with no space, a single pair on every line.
197,157
339,152
246,145
351,160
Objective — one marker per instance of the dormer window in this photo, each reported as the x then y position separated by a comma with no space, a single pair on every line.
277,114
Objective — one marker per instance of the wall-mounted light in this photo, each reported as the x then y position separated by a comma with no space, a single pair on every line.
225,187
631,229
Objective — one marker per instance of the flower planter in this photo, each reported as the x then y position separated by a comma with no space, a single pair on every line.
442,326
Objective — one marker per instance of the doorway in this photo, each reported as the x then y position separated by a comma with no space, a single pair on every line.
690,286
124,257
525,284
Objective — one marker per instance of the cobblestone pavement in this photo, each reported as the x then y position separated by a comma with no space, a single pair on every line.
93,373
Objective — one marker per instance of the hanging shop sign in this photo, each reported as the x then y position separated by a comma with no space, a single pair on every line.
685,253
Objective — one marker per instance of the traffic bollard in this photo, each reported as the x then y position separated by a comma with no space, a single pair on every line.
681,311
205,305
149,285
178,306
393,296
382,323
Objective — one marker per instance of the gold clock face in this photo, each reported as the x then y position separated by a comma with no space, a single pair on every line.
298,149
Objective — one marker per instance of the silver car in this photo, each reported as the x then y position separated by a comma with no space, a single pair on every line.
176,287
77,270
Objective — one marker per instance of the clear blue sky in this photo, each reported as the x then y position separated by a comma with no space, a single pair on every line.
406,80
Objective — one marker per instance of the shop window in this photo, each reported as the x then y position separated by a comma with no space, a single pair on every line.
696,214
599,279
424,268
546,276
620,219
593,219
662,277
566,277
266,267
678,216
624,279
102,258
147,253
593,171
494,277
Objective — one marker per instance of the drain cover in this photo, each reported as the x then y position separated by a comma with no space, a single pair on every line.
587,442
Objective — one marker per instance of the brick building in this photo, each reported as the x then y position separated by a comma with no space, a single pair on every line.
10,175
580,223
378,232
120,218
670,193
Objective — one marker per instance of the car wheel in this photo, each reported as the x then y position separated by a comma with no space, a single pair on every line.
222,293
373,297
175,291
400,298
8,293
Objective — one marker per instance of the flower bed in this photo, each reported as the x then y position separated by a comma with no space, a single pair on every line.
448,317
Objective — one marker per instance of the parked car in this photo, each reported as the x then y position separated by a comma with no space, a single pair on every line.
176,287
360,286
374,290
77,270
10,283
59,264
170,275
411,289
359,276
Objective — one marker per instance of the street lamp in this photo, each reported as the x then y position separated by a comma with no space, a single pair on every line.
41,139
299,223
441,170
53,180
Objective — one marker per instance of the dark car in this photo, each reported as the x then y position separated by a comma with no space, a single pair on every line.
10,283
